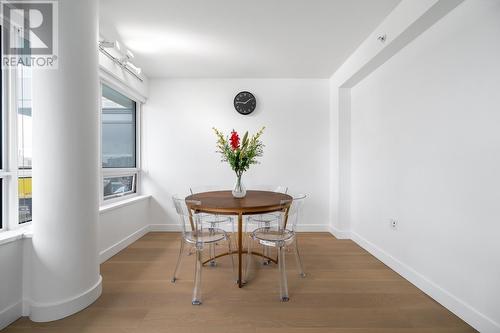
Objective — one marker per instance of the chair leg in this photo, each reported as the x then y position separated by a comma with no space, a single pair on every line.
298,259
233,232
211,248
265,249
178,264
211,251
249,258
232,258
282,270
197,279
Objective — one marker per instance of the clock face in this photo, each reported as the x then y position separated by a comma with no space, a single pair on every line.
245,102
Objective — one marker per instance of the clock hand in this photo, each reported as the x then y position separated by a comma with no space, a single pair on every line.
244,102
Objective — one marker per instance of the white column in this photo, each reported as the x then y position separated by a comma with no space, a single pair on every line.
65,276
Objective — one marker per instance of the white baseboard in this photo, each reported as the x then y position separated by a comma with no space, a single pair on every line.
312,228
43,312
164,228
339,234
463,310
10,314
117,247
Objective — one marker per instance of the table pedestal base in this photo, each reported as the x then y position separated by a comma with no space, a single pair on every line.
244,252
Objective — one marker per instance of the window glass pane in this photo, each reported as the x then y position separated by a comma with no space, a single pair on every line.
118,130
1,203
24,118
25,207
1,132
24,142
117,186
1,115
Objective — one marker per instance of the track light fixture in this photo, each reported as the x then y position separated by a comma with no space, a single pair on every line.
125,60
133,67
108,44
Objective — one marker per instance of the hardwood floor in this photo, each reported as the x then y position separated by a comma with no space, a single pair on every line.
346,290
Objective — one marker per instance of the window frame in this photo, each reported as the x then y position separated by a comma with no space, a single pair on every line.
15,172
10,172
120,196
120,172
4,175
19,172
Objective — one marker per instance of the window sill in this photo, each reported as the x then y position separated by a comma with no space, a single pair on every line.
13,235
10,236
122,203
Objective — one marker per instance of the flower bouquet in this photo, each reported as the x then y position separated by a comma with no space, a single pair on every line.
240,155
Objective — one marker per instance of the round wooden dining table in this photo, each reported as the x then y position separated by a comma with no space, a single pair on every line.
223,203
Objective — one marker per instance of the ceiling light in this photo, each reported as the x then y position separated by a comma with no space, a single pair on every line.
133,67
110,45
107,44
124,60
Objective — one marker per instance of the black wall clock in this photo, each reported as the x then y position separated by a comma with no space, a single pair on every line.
245,102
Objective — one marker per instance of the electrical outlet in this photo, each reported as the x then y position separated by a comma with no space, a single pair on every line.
393,224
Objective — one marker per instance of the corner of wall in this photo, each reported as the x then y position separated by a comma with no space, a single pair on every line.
10,314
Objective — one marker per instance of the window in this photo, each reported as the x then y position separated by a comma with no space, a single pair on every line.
2,166
1,203
118,130
118,144
118,186
24,143
16,143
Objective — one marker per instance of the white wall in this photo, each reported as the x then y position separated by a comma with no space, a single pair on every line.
179,144
11,282
425,144
118,227
405,23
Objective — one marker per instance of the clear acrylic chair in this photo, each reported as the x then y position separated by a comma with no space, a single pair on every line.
264,220
280,235
214,221
195,233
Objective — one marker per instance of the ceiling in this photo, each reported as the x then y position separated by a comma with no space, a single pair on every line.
241,39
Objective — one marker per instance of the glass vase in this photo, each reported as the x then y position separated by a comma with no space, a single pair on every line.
239,190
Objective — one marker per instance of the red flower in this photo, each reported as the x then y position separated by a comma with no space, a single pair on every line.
235,140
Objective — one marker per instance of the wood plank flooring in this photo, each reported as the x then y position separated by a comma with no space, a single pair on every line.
346,291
